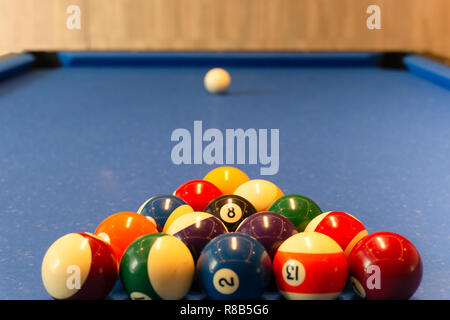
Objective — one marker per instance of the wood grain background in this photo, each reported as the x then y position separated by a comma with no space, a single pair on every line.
275,25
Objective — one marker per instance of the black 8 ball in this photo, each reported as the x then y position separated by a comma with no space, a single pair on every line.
231,209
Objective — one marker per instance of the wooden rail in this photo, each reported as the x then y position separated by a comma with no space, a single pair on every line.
263,25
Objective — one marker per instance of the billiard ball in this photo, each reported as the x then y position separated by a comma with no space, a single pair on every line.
269,228
122,228
197,193
299,209
79,266
234,266
385,265
261,193
310,266
157,266
231,209
227,179
342,227
159,208
178,212
217,80
196,229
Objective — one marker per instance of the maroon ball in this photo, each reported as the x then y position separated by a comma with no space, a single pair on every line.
269,228
385,266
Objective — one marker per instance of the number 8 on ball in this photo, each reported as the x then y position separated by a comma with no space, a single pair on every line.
231,209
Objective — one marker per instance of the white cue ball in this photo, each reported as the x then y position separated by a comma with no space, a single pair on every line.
217,80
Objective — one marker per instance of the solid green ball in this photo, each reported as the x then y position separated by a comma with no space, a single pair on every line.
300,210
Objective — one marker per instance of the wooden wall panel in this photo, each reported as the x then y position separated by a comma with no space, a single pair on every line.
307,25
437,32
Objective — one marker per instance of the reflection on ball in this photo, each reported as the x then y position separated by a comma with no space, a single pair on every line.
79,266
227,179
157,266
196,229
310,266
385,266
342,227
159,208
234,266
231,209
299,209
260,193
269,228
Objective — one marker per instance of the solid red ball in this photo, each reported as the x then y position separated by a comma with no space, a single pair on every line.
384,266
197,193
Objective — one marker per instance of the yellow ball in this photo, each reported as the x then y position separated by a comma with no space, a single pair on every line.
217,80
227,179
260,193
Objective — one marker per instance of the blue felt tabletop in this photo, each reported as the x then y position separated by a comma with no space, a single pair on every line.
81,142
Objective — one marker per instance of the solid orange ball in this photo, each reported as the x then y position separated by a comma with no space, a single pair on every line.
122,228
227,179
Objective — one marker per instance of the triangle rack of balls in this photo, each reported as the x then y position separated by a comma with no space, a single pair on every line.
227,236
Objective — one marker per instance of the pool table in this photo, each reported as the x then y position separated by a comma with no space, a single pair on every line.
91,136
